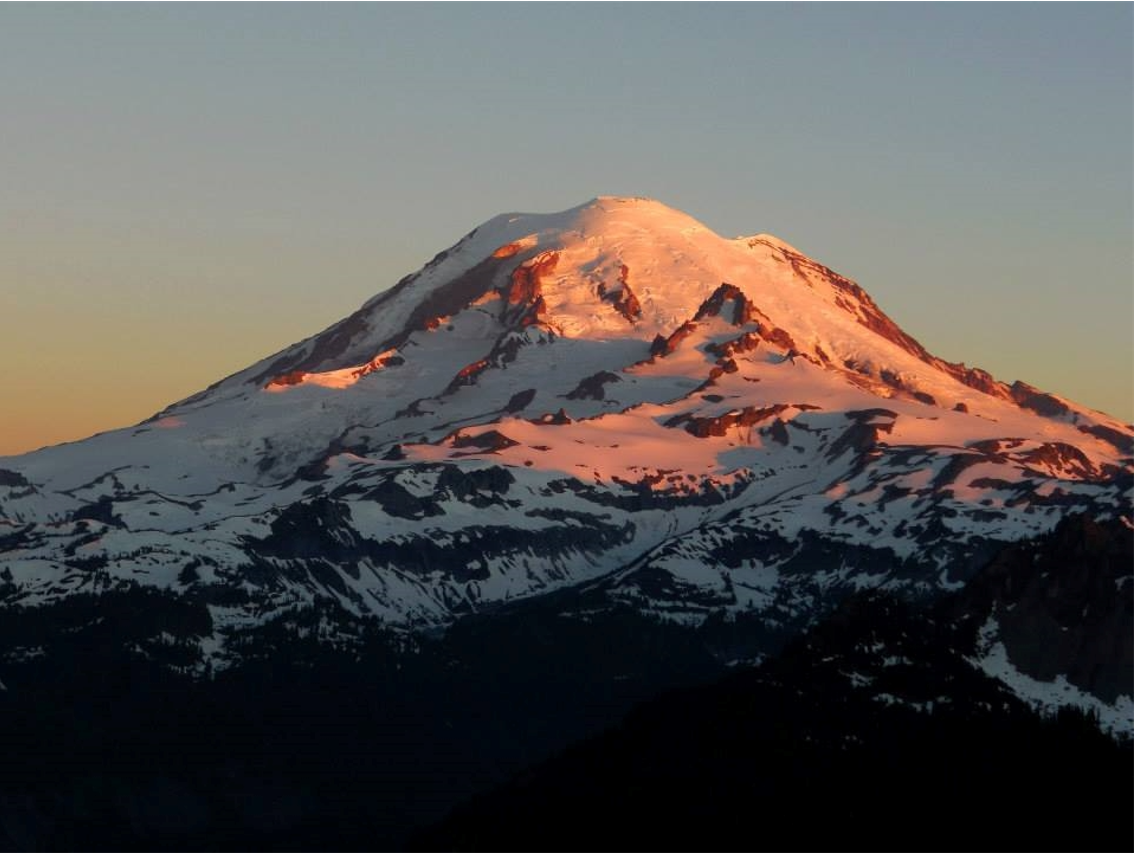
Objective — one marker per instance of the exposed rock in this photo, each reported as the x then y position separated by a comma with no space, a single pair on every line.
1063,457
400,502
12,478
1036,400
377,363
468,485
859,437
743,310
558,419
288,379
524,303
1122,442
703,427
101,510
488,442
412,409
593,387
994,445
742,344
661,347
467,375
777,431
520,400
778,337
866,414
1064,605
622,298
957,465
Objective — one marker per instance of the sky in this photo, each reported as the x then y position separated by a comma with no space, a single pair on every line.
187,188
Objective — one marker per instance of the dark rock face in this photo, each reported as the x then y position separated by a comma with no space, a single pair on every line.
743,310
622,298
317,529
862,435
1044,404
520,400
101,510
11,478
399,502
467,484
1060,455
779,337
1064,604
704,427
739,345
560,418
487,442
661,346
777,431
525,304
1123,443
594,386
467,375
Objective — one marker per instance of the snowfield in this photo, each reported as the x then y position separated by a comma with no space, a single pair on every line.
611,394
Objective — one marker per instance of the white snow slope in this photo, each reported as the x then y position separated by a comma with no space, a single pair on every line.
611,393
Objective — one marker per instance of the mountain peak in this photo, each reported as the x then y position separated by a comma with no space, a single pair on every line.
602,216
610,284
710,426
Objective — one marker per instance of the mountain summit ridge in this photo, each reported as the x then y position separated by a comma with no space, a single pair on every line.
651,263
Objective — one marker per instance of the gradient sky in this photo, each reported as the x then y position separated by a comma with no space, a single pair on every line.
185,189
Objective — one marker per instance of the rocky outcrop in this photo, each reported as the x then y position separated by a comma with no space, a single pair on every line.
520,400
1063,605
485,442
12,478
1037,401
1058,456
622,298
467,375
742,312
662,346
593,387
704,427
524,302
1123,442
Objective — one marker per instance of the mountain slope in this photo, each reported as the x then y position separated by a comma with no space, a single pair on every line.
611,396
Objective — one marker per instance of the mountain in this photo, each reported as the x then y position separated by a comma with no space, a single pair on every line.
612,398
575,462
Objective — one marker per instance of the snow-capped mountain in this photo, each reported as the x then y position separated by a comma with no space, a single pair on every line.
612,398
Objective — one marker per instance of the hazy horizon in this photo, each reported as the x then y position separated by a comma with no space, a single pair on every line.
189,189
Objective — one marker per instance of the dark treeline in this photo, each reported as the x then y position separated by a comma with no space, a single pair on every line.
872,731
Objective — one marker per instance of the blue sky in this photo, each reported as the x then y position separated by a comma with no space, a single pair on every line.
187,188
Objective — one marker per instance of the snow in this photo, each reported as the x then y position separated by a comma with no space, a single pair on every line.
212,472
1116,717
